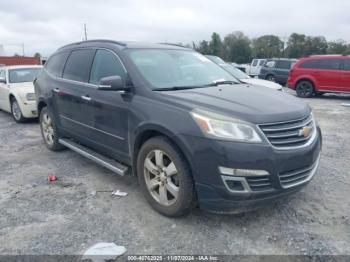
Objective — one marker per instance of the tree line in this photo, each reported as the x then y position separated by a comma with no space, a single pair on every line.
239,48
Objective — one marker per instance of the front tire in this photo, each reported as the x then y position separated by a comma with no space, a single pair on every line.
16,111
165,177
49,130
305,89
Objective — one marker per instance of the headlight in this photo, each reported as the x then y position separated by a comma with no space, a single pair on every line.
219,126
30,97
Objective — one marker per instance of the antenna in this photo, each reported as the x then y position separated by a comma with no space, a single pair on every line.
85,31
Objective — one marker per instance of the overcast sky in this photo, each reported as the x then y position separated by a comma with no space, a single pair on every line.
45,25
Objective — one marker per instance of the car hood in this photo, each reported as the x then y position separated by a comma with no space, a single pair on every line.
246,102
261,82
22,88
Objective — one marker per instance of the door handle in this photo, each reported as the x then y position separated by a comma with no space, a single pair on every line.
87,98
56,90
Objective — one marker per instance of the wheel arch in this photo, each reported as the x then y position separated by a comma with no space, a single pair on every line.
148,131
306,78
41,105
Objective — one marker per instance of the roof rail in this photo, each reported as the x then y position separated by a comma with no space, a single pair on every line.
94,40
174,45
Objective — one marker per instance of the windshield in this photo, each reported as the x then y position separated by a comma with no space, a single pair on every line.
177,68
216,59
23,75
236,72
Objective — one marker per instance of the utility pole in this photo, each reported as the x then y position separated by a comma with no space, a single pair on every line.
85,32
23,49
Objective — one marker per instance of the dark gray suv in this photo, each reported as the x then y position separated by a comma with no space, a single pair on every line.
190,132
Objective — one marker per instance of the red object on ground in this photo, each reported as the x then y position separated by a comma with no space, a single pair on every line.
51,178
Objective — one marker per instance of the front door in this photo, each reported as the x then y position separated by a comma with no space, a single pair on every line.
328,74
107,111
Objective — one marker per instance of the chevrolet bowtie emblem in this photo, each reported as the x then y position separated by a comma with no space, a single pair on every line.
305,131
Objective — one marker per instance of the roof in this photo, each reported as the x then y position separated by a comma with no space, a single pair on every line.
125,44
19,60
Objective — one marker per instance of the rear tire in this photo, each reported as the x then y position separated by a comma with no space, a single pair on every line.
305,89
49,130
16,111
165,177
271,78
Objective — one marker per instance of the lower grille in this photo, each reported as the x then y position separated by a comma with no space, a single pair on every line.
259,183
298,176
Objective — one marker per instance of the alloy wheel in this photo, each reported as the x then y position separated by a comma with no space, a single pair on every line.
16,111
305,89
47,128
161,177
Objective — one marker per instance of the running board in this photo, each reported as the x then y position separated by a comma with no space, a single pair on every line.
108,163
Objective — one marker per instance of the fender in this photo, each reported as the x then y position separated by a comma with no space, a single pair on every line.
308,78
135,140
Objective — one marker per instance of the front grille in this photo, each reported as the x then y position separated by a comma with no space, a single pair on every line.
259,183
289,134
298,176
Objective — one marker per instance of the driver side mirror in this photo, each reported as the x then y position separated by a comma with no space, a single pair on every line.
112,83
2,80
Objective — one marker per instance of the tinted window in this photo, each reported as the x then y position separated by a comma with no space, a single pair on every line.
283,64
105,64
255,62
56,63
262,62
329,64
347,64
78,65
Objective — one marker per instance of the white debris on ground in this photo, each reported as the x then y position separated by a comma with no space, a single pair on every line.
103,251
119,193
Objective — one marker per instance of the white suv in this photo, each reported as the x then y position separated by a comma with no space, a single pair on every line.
17,94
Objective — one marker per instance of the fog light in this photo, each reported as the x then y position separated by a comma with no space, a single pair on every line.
242,172
236,184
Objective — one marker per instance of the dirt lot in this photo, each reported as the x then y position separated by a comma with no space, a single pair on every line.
65,218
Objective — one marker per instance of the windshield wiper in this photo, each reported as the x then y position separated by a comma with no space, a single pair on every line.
173,88
222,82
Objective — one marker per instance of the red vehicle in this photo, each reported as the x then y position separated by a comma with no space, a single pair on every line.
320,74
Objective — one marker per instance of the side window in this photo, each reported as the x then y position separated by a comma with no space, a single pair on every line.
105,64
255,62
310,64
78,65
56,63
270,64
330,64
262,62
3,74
347,64
283,64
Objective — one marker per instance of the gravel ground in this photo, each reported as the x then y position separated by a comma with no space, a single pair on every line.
64,217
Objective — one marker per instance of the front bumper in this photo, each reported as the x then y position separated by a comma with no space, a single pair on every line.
216,195
29,109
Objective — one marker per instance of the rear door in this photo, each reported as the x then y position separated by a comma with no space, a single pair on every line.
345,76
328,74
253,67
71,92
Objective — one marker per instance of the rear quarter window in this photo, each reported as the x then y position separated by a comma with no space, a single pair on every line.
347,64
